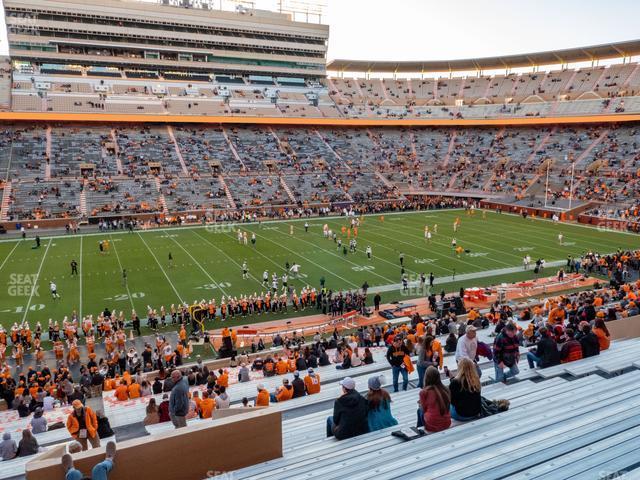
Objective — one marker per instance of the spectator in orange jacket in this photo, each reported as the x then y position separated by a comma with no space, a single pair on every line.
89,433
283,392
122,392
262,400
134,389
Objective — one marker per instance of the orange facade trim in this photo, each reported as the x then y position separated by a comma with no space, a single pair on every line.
346,122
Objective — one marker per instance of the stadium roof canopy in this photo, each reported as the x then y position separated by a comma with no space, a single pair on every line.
553,57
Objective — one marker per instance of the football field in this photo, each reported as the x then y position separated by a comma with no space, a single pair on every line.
207,260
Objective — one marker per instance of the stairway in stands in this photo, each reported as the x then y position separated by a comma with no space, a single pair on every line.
47,168
593,145
541,145
83,201
288,190
161,199
531,187
177,149
452,144
233,148
116,148
4,207
227,192
382,178
625,84
452,182
569,84
336,154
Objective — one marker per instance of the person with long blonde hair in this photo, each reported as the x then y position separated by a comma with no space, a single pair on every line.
466,401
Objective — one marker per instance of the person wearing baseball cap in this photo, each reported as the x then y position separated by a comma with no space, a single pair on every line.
312,382
297,384
349,413
379,405
467,346
83,425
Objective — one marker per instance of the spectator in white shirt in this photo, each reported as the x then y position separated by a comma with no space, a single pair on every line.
356,361
48,403
468,346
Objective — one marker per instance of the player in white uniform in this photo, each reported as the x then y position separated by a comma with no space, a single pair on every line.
245,270
54,290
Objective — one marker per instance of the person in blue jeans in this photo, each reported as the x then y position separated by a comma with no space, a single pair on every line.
100,471
395,356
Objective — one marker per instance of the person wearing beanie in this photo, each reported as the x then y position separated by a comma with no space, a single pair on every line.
82,424
350,410
298,386
379,406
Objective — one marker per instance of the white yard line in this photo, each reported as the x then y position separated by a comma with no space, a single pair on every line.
162,269
10,253
465,276
226,255
201,267
236,224
341,258
35,283
310,261
120,263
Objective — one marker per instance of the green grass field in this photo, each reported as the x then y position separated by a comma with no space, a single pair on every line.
207,261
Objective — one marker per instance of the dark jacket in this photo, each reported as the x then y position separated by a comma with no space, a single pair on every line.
547,351
301,364
163,411
350,415
104,428
590,345
157,387
179,398
395,356
298,388
505,349
466,403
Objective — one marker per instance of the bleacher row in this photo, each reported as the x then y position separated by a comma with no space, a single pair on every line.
551,422
50,167
562,92
550,425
